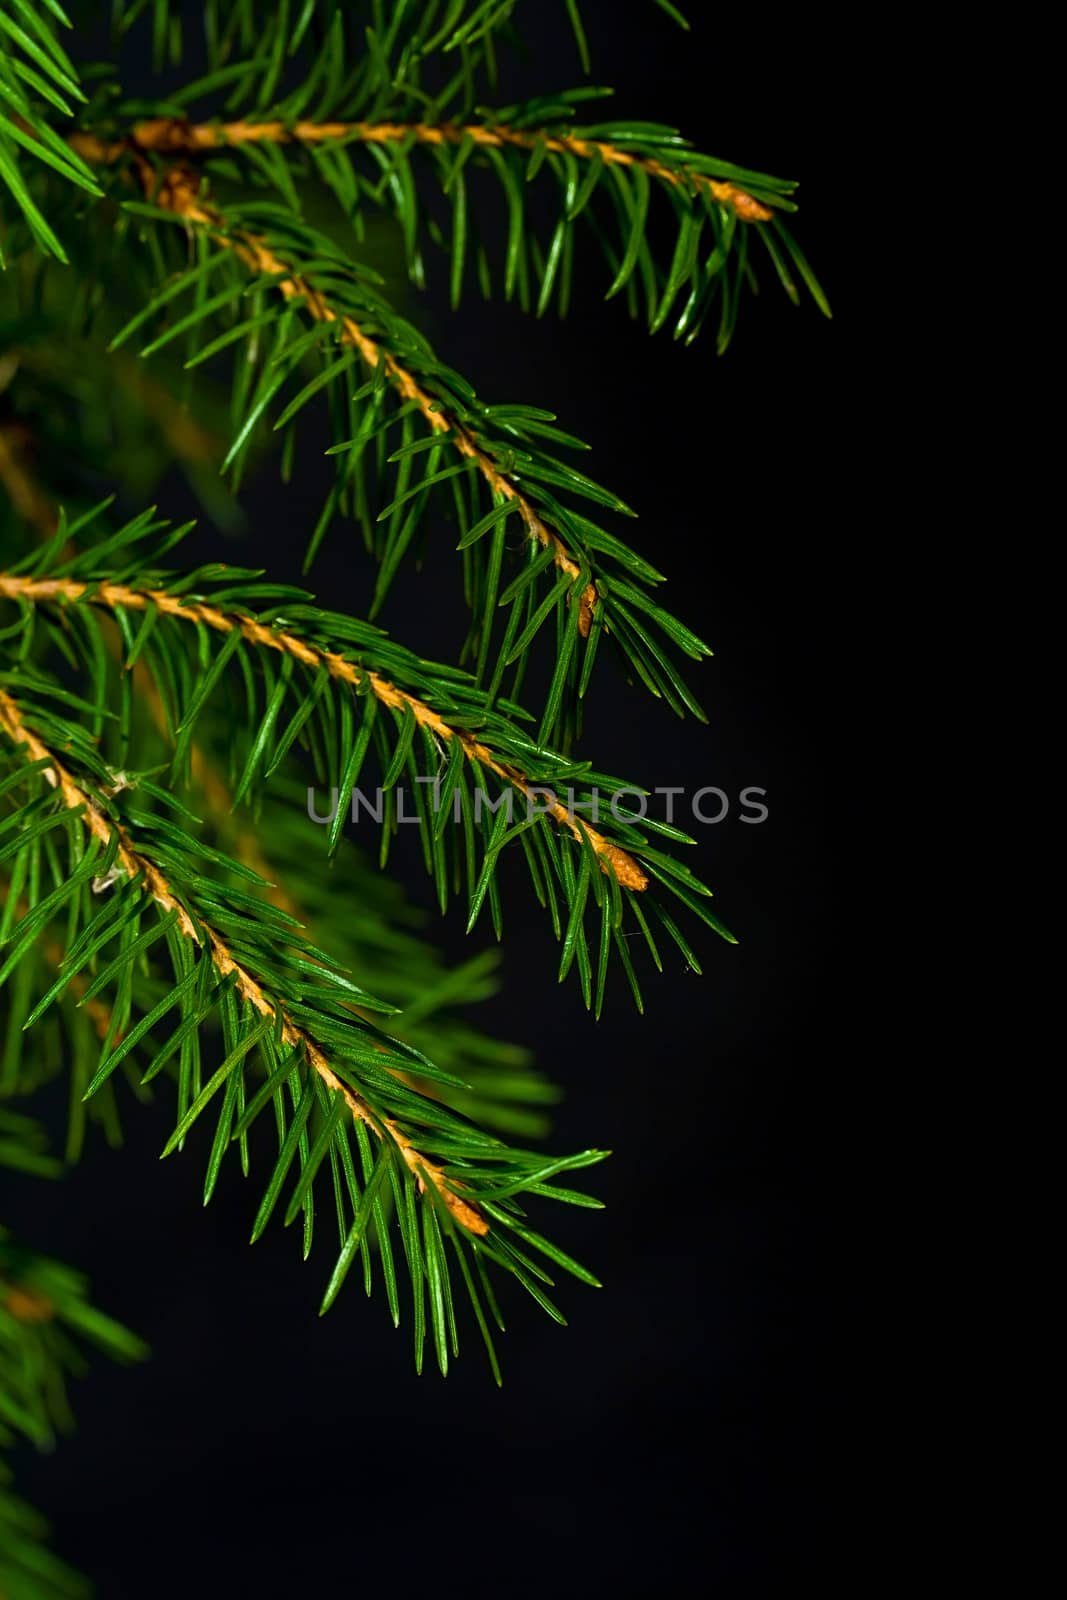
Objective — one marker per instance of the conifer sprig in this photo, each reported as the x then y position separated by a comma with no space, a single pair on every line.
577,572
373,101
172,136
119,597
440,732
604,175
122,857
290,1040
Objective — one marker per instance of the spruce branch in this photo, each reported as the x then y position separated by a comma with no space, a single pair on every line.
335,668
499,448
136,866
172,136
588,574
179,193
120,597
510,146
292,1016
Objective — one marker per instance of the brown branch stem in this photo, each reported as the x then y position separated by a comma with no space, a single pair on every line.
171,136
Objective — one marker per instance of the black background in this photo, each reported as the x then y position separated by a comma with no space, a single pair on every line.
687,1426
